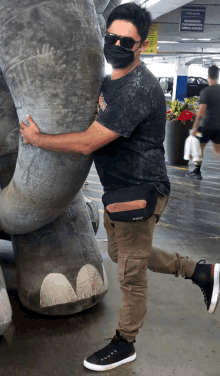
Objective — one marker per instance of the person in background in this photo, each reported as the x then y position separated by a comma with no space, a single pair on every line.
209,113
127,141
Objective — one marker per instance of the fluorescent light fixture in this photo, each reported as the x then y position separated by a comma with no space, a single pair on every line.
143,3
204,39
188,39
166,41
150,3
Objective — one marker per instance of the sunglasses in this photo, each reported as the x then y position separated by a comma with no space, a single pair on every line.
125,42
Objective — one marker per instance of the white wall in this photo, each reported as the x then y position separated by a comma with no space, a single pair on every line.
198,71
162,69
167,70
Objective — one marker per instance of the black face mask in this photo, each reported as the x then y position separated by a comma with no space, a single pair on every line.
118,56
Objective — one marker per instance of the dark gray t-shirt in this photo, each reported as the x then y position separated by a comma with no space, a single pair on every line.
211,97
133,106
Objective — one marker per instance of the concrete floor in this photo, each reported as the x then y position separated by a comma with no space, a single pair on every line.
178,337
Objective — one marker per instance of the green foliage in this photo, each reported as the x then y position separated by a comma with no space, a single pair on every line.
176,107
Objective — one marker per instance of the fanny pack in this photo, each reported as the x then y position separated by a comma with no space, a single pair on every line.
130,204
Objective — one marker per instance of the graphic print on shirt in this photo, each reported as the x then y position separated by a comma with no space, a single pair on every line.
102,103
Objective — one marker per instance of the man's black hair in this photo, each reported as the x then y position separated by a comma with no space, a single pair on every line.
139,17
213,72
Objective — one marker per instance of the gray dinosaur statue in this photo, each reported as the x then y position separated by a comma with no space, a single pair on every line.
51,64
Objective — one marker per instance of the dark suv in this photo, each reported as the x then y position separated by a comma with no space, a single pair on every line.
194,85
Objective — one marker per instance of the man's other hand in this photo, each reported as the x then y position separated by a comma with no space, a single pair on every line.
30,132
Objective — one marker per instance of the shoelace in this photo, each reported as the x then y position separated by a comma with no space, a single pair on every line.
107,339
109,355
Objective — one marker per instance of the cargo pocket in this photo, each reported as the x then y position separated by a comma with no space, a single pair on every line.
128,269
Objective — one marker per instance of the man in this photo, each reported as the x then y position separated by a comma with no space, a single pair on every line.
127,141
209,111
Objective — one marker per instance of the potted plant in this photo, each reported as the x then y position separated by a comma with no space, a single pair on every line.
179,122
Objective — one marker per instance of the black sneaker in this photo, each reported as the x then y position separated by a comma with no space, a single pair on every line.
194,175
207,277
117,352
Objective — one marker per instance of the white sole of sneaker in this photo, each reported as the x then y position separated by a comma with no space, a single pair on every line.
216,289
95,367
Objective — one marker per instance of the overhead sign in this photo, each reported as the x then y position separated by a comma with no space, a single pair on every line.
206,63
192,18
153,38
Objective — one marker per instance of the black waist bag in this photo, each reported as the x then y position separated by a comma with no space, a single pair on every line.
131,204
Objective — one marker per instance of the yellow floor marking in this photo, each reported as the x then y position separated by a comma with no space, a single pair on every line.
93,190
178,168
94,199
93,182
177,182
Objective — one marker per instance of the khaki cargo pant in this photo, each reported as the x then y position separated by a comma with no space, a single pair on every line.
130,245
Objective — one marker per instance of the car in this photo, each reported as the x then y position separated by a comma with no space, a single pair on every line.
166,83
194,85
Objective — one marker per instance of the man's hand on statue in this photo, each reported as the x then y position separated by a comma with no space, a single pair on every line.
30,132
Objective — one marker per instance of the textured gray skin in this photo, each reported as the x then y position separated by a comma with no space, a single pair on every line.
103,9
51,58
63,246
5,306
54,75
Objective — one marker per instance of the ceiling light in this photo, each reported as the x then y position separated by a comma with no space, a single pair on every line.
188,39
166,41
205,39
149,3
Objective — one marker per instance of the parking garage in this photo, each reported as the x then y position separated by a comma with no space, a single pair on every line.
178,337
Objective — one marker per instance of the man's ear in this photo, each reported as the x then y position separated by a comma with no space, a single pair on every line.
144,45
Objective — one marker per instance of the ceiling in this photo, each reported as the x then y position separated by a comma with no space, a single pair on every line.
172,42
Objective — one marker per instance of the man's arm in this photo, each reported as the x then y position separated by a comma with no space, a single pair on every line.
201,113
86,142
